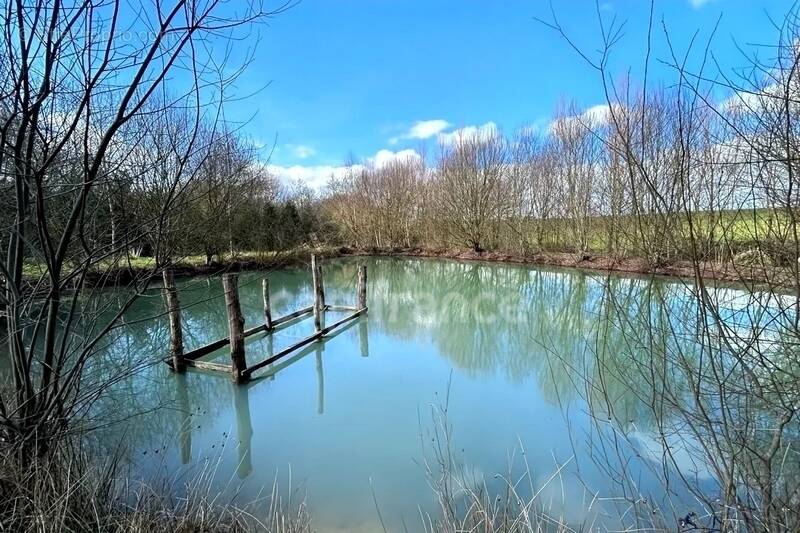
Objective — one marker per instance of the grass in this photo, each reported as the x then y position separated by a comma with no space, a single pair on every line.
267,258
729,236
67,492
723,236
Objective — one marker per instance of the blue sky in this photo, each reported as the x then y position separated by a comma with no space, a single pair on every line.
356,76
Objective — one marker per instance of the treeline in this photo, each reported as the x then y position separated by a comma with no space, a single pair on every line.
171,191
229,203
661,174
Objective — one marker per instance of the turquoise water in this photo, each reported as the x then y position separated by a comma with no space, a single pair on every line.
508,352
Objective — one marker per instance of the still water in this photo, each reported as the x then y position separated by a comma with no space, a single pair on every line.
348,423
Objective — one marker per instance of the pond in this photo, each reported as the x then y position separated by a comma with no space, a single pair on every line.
499,362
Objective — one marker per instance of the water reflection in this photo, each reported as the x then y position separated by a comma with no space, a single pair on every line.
363,337
540,356
319,347
244,430
186,420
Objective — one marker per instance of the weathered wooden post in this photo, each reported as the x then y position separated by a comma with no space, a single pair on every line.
267,308
175,330
230,283
362,287
319,293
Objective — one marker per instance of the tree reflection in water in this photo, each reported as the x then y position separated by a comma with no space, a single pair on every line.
628,362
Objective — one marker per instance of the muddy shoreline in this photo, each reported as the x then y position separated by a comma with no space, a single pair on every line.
709,271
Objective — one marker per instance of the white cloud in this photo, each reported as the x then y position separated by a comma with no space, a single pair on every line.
422,129
428,128
301,151
318,176
596,115
385,157
483,131
697,4
754,99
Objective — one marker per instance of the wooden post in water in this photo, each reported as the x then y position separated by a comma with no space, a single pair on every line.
267,308
319,293
362,287
230,283
175,330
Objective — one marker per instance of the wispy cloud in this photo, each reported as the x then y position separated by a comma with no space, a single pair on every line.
314,176
484,131
697,4
596,115
301,151
422,129
753,99
385,157
318,176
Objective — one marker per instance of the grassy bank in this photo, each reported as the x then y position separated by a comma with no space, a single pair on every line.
126,271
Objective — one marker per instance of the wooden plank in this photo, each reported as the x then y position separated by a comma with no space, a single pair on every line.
207,349
344,321
303,342
230,283
216,345
296,356
276,367
291,316
208,365
253,331
350,308
284,352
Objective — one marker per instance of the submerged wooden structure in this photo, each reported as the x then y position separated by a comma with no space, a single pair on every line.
239,369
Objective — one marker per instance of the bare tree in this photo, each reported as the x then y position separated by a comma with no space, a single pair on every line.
531,192
576,168
702,173
222,185
77,95
470,183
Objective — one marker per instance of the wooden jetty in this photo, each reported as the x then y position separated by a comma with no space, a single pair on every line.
238,367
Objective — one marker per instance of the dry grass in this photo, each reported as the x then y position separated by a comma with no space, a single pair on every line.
68,493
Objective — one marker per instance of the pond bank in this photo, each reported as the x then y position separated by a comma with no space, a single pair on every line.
124,275
679,269
708,270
